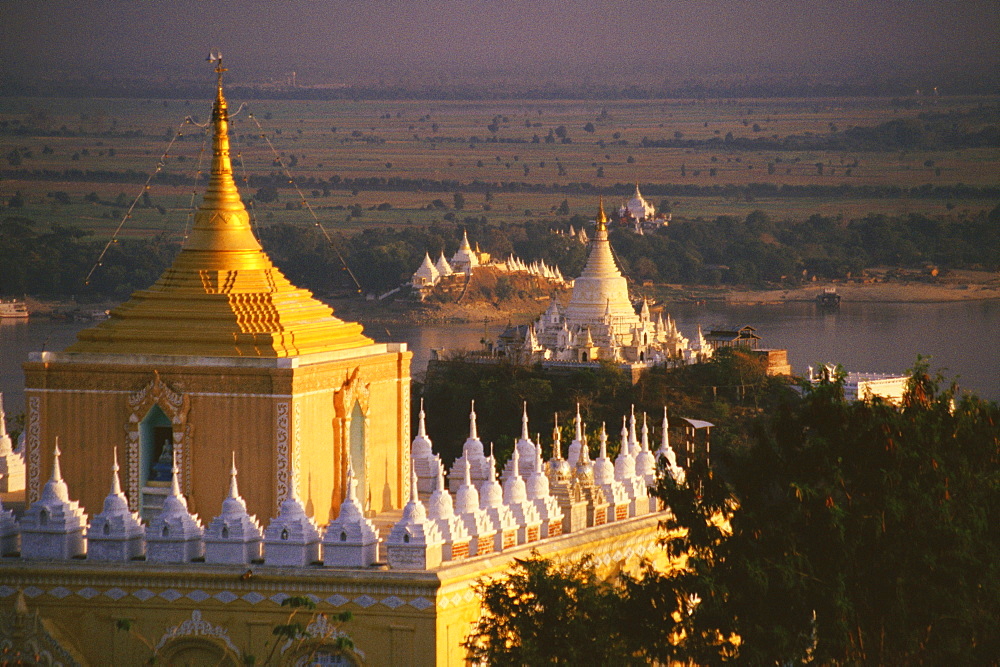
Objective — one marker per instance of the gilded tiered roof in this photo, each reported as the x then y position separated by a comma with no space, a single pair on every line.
222,296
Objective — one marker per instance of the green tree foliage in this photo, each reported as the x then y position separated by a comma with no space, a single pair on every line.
547,613
865,533
844,533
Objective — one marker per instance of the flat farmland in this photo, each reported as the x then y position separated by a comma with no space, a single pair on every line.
697,156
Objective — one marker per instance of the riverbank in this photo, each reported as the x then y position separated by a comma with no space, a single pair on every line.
879,286
886,287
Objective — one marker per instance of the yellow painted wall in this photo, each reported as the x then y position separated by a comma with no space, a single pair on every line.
257,411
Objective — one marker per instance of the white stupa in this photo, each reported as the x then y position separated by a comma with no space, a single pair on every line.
637,208
645,461
604,477
53,527
415,542
443,267
502,521
292,538
645,465
634,485
666,452
477,523
537,486
11,463
515,497
600,293
234,536
426,275
351,540
441,510
525,447
465,258
473,452
117,533
175,535
425,462
565,488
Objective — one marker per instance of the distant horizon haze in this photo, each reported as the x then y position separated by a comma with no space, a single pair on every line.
642,42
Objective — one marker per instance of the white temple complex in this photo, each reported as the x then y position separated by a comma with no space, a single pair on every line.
600,322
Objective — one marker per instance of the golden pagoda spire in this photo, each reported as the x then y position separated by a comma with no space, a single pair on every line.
222,296
602,219
222,222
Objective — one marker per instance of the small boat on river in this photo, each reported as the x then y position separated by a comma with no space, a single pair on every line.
828,298
14,310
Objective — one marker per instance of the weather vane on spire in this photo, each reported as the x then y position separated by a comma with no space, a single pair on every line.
216,57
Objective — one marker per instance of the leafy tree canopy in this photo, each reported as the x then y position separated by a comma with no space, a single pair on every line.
843,533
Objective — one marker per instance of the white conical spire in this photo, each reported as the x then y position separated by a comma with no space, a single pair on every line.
234,490
12,469
175,489
472,451
473,427
667,452
421,445
560,469
116,534
573,456
645,461
56,468
53,527
625,462
441,510
467,497
477,523
233,537
415,542
515,490
491,493
515,499
633,439
175,535
116,482
524,446
440,505
292,538
524,423
425,461
350,540
443,267
604,469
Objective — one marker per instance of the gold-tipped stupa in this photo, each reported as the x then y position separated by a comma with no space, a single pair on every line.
222,296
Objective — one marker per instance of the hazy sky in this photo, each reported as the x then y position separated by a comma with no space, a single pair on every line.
338,38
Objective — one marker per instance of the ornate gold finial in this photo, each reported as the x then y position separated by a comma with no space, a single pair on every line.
602,219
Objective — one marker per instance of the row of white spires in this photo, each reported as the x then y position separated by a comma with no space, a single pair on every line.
465,259
536,501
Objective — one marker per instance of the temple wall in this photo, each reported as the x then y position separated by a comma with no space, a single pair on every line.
401,617
278,420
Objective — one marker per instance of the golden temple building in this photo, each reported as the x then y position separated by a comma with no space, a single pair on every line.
223,354
224,367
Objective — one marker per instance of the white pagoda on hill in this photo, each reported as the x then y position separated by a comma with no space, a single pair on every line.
600,322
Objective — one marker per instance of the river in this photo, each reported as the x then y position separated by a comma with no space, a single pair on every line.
863,337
